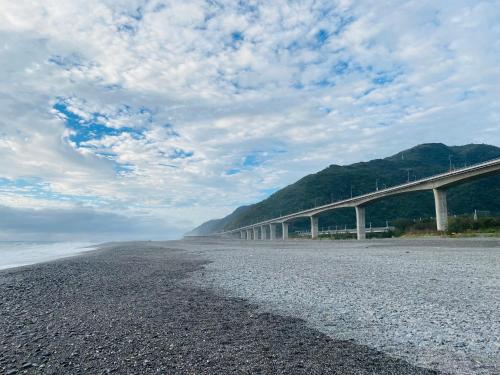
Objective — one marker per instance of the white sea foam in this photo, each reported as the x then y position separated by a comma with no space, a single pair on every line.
15,254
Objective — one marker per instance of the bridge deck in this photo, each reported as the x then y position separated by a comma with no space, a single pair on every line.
432,182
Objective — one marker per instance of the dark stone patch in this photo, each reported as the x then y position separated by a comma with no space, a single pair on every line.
124,311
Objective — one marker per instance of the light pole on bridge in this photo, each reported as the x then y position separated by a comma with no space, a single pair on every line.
408,171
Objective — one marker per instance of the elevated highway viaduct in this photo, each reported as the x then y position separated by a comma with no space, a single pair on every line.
437,183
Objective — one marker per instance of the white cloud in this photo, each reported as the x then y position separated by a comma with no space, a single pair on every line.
185,91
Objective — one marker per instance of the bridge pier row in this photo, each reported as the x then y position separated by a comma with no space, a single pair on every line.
263,232
255,233
441,209
360,222
284,227
314,227
272,232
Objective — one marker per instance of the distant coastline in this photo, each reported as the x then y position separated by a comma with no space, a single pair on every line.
22,253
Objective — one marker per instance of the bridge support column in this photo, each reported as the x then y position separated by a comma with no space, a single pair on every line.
255,233
284,227
441,209
249,234
272,232
242,235
263,232
360,222
314,227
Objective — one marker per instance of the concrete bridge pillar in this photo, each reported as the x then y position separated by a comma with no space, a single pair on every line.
284,227
272,232
242,235
360,222
314,227
249,234
441,209
255,233
263,232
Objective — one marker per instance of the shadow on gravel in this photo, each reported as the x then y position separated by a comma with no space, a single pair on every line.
123,311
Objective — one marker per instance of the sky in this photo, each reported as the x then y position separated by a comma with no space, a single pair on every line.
142,119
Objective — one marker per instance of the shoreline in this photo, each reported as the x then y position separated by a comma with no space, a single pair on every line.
49,255
127,308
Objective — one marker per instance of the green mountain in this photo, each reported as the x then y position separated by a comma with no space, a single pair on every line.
216,225
339,182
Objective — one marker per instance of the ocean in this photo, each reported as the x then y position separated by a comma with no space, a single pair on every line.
21,253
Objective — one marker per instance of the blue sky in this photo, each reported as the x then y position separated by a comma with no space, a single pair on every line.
164,114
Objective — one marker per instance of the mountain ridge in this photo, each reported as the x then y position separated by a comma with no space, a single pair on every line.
337,182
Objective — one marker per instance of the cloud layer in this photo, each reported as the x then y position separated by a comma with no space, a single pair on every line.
178,111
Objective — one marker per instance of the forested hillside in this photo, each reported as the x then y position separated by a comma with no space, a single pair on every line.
339,182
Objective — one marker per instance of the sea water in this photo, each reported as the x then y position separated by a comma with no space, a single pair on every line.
20,253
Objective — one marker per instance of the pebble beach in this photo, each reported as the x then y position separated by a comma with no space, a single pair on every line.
220,306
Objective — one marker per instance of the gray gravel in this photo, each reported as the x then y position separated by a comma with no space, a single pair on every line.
433,302
126,310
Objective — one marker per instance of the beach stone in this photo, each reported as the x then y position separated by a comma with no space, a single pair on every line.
135,300
428,300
